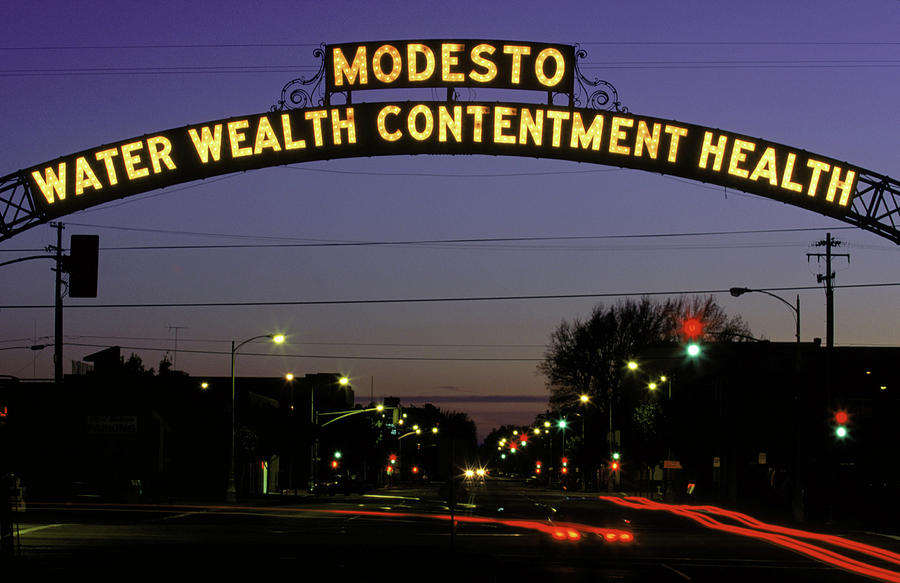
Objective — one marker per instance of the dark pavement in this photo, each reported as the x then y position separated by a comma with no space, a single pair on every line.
504,531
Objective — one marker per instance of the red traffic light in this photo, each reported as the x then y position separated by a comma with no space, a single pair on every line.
334,464
692,327
841,417
614,466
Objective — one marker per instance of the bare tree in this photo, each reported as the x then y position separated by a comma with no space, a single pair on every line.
589,357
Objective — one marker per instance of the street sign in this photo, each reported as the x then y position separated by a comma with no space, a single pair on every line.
672,465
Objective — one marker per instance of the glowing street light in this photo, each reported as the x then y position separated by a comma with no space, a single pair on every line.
230,492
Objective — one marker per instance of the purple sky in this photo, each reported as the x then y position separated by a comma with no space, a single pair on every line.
817,75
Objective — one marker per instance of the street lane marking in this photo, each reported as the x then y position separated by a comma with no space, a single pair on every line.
891,536
37,528
676,571
182,515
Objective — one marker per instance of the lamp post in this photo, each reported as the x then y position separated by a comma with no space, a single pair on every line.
653,383
231,492
739,291
797,504
584,400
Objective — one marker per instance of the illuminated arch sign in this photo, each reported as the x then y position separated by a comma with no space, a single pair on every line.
448,63
320,130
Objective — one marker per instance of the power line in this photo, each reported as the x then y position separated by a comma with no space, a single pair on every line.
455,241
303,343
268,69
246,304
157,46
321,356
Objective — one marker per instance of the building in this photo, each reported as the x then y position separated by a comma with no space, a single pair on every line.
123,433
755,423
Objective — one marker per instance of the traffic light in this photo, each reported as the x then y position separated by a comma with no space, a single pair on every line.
565,465
692,328
537,467
841,419
81,264
693,349
615,464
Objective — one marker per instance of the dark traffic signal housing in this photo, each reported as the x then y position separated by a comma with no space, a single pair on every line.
81,264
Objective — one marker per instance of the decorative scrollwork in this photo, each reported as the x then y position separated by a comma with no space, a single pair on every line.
598,94
302,92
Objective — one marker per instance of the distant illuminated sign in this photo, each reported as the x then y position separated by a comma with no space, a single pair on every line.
162,159
450,63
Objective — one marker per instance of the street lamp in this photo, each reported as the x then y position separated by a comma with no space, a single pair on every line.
585,399
231,493
739,291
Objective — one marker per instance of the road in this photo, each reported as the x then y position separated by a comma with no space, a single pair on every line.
502,533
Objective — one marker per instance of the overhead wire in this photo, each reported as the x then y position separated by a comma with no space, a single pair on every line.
262,303
321,356
306,242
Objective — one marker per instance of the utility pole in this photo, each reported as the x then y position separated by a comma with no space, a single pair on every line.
175,356
828,278
58,310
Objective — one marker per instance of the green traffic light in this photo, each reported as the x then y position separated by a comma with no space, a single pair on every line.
616,456
693,349
841,432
